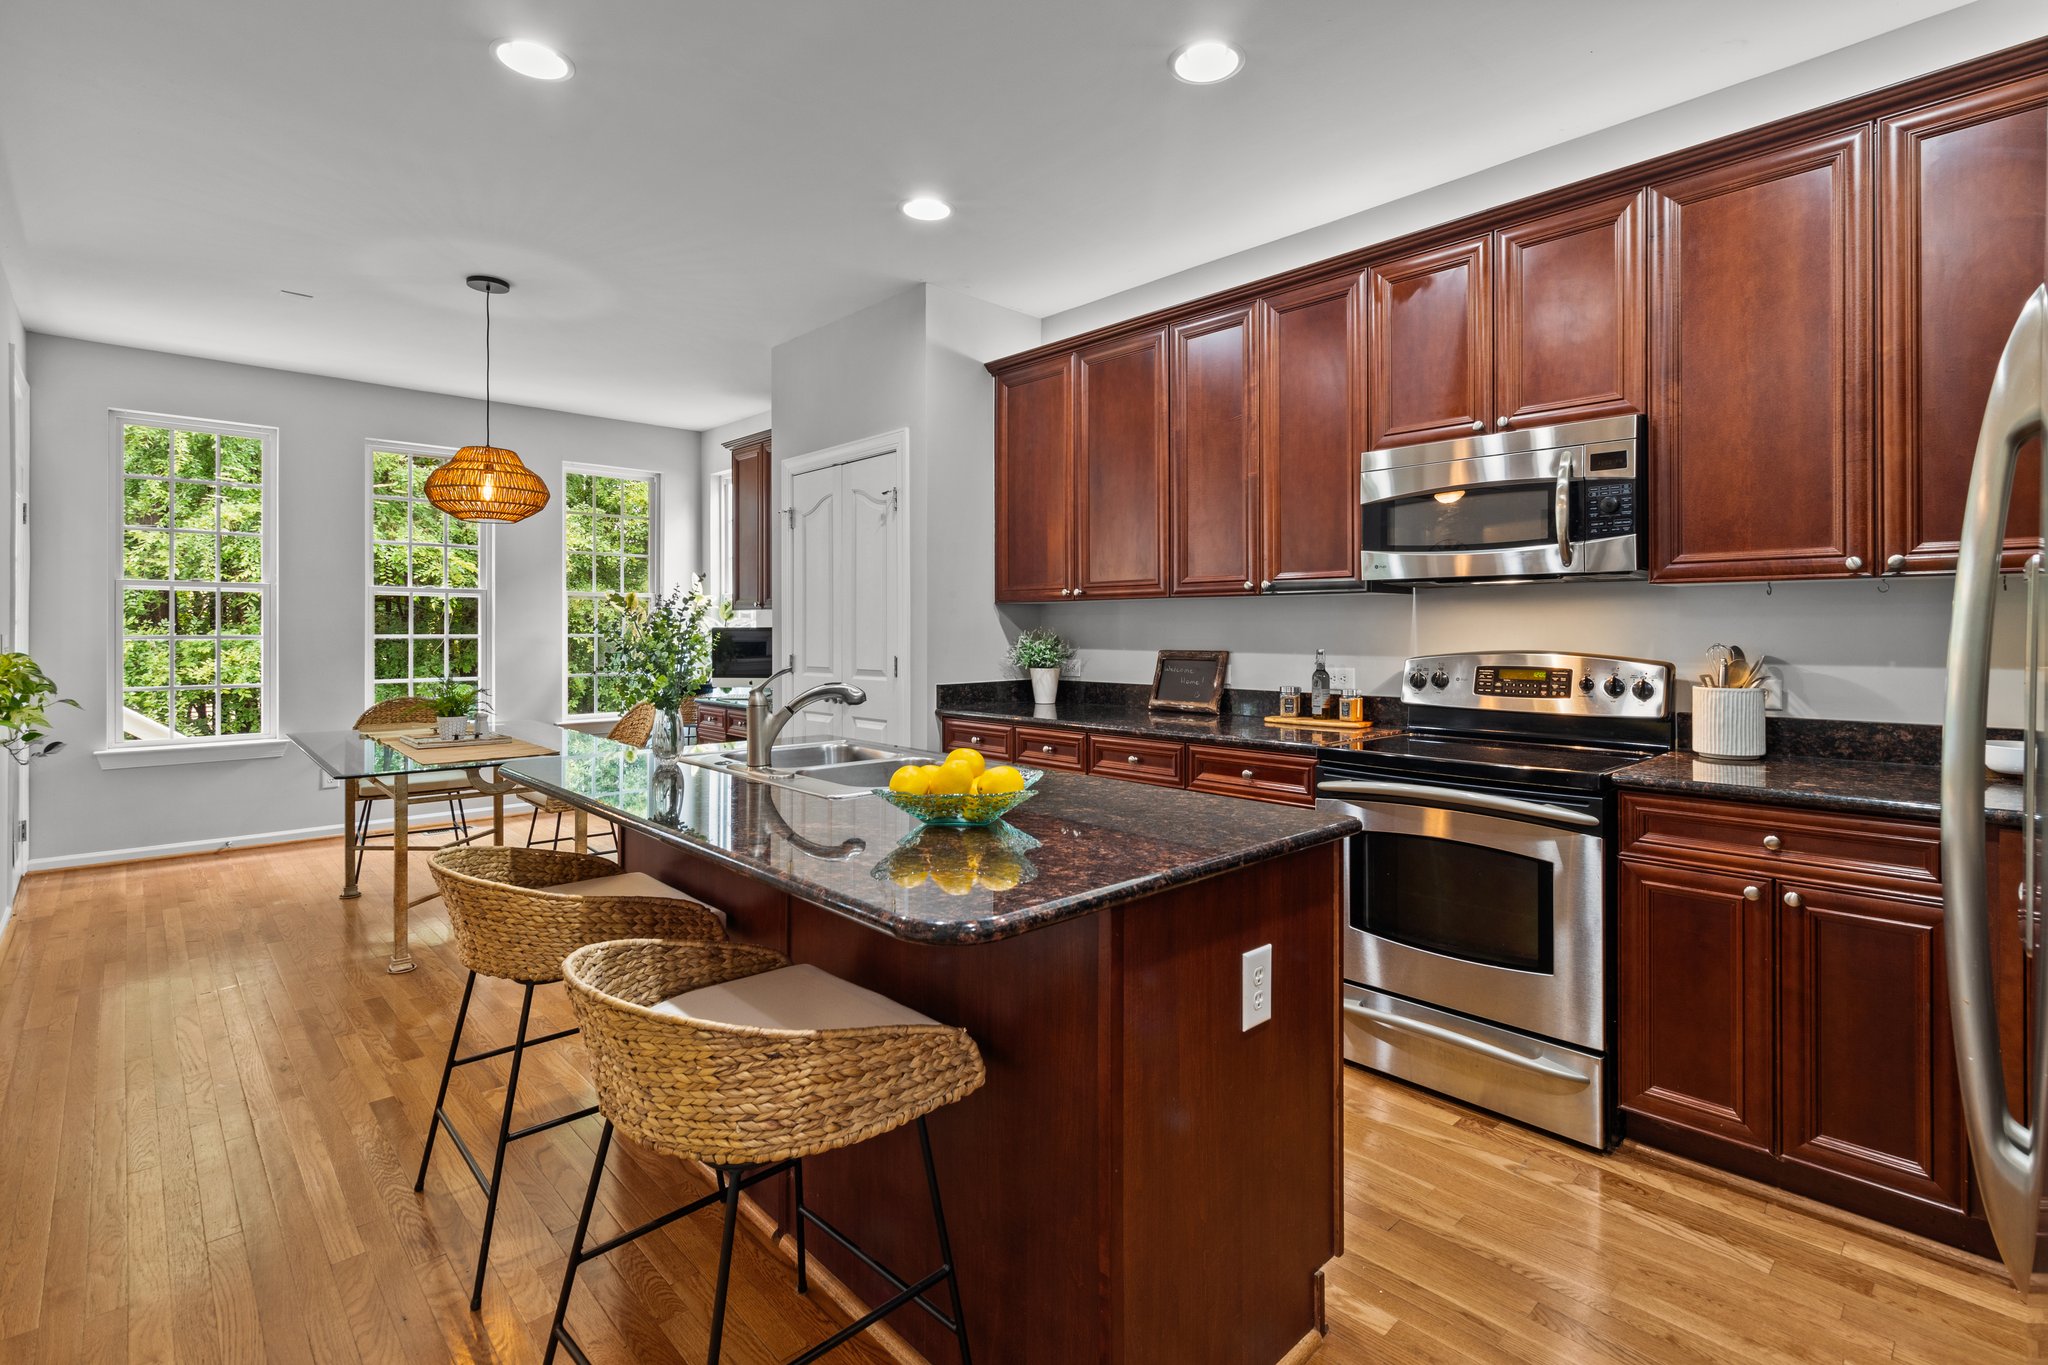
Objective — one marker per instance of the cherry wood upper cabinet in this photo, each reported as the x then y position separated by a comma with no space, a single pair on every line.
1963,240
1696,1038
1035,480
1868,1083
1569,333
1215,449
753,521
1311,430
1760,367
1429,349
1120,468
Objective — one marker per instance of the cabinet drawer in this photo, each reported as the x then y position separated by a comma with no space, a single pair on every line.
1246,772
990,741
711,724
1065,749
1766,839
1158,761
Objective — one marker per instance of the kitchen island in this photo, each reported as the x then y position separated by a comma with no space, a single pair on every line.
1142,1178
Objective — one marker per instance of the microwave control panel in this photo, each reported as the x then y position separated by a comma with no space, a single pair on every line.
1609,507
1493,680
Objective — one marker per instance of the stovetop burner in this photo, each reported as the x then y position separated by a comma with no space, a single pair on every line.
1457,757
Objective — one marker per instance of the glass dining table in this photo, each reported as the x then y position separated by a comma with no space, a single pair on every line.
365,767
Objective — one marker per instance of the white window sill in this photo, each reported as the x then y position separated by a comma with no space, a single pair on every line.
204,751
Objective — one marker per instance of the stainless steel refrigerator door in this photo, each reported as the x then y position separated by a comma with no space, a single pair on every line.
2008,1158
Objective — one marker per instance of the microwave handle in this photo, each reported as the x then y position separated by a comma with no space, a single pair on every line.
1564,508
1449,796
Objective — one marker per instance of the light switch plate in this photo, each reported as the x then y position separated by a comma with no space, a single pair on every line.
1258,986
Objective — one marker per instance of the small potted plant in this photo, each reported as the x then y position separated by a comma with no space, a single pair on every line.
26,696
452,702
661,648
1041,653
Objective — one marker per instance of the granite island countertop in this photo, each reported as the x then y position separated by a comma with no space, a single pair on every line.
1910,791
1081,845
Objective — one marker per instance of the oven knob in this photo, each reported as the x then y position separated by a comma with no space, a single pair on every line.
1439,679
1586,683
1417,679
1643,689
1614,686
1609,505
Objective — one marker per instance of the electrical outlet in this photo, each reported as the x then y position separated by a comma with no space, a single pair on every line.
327,784
1341,678
1774,692
1258,986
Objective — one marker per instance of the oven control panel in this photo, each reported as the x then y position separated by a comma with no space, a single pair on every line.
1554,684
1505,680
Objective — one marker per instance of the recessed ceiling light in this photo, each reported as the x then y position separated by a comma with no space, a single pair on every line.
926,209
1207,62
537,60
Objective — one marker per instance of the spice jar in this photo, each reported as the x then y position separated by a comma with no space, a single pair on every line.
1351,706
1290,700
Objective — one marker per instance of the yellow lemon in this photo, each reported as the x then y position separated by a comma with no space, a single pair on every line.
909,779
950,779
908,872
999,781
971,758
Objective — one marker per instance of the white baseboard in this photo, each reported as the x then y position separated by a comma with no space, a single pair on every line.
473,809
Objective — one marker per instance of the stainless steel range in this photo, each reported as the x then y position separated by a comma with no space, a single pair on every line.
1478,959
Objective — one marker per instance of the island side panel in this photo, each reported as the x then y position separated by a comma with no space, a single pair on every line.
1021,1162
1231,1200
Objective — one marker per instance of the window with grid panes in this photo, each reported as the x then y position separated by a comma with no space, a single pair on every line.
195,580
429,581
608,547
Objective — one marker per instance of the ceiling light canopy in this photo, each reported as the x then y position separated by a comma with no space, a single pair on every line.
486,482
1207,62
537,60
926,209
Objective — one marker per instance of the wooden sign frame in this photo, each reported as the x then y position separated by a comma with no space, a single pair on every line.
1211,703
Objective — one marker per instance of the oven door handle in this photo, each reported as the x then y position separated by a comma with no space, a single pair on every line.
1464,800
1436,1032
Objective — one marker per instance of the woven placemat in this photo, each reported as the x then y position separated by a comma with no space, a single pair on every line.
497,749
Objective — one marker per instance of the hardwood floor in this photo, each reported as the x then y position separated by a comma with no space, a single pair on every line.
214,1098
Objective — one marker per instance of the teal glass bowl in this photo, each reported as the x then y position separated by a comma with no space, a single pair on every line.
967,811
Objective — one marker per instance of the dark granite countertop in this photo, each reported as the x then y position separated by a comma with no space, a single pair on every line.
1114,718
1910,791
1082,844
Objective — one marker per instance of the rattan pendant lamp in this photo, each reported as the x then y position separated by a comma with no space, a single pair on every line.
487,482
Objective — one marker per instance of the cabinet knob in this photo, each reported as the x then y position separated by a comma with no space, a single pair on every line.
1247,585
1247,774
974,739
1079,591
1853,563
1066,592
1501,422
1750,893
1478,426
1266,585
1773,842
1792,901
1133,758
1895,564
1045,748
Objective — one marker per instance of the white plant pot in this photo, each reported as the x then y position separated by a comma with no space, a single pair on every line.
1045,685
452,727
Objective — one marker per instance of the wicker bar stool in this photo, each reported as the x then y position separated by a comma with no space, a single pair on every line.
728,1055
633,727
517,913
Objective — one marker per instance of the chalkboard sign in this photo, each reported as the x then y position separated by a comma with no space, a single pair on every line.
1189,680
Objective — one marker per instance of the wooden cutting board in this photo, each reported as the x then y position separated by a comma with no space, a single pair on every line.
1310,723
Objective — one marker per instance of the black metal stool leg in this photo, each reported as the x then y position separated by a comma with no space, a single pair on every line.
731,1181
931,1176
803,1269
533,826
559,1332
483,1250
441,1095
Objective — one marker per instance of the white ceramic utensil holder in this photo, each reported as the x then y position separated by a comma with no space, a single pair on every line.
1728,722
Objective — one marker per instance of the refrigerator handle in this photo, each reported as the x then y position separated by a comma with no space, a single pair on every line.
2008,1158
2030,780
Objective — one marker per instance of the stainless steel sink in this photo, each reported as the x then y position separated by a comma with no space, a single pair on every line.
834,768
827,753
874,772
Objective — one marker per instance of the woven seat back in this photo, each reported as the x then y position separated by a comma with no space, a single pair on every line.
729,1095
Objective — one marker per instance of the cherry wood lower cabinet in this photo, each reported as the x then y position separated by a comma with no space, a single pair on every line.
1784,1006
1161,762
993,742
1263,776
1038,747
1223,769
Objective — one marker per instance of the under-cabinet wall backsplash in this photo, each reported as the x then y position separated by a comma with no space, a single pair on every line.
1846,651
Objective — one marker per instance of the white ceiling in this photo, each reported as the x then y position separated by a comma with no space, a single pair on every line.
719,177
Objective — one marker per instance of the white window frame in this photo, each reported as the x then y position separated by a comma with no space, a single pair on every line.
718,538
486,574
655,582
118,751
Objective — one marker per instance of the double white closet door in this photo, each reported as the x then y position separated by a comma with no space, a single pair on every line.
846,576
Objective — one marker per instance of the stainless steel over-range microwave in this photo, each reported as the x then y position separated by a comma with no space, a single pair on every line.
1545,502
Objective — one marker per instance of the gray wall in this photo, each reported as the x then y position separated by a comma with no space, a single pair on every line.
81,809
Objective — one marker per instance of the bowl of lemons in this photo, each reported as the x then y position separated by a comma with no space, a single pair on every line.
961,789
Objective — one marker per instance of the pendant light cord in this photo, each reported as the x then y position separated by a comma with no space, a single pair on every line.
487,367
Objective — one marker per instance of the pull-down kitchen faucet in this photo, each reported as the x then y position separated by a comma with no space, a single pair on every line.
764,727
